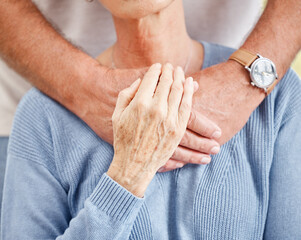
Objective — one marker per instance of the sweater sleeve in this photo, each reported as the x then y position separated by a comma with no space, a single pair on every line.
36,200
284,212
35,206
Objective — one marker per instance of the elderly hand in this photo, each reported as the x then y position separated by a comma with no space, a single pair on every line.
148,125
96,100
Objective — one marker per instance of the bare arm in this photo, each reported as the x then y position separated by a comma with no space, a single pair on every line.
277,36
72,77
31,46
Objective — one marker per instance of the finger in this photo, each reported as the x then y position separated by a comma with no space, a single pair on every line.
203,126
185,105
164,84
198,143
149,82
176,92
190,156
126,96
195,86
171,165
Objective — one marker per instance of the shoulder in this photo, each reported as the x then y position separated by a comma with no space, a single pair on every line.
31,122
47,133
31,136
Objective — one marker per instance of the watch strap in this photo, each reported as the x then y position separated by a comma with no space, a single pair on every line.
270,88
244,57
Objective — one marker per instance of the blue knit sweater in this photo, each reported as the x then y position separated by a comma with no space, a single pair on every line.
56,184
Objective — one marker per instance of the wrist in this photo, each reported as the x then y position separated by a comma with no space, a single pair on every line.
253,95
84,74
266,52
134,179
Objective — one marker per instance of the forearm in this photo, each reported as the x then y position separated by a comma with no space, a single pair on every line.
108,213
277,34
31,46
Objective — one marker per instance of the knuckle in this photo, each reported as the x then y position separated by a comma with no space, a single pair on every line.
173,133
187,156
177,88
170,123
154,75
141,105
192,118
209,126
165,79
186,106
206,130
192,158
203,147
123,94
185,140
157,112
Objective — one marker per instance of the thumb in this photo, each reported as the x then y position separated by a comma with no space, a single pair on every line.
126,95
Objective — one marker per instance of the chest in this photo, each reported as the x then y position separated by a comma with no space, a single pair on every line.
227,199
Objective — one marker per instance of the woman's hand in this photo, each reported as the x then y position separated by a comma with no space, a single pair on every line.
148,125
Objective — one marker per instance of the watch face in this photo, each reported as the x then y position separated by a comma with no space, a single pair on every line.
263,72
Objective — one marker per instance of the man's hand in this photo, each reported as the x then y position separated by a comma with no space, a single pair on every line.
94,101
78,82
226,97
74,79
96,98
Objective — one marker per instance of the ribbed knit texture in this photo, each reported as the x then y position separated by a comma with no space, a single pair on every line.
56,184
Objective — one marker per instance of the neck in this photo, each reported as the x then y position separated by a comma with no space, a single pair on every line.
160,37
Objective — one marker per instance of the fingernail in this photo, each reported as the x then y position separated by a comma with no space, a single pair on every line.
217,134
179,165
161,169
215,150
205,160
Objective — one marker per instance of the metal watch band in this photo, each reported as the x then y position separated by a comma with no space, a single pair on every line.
246,58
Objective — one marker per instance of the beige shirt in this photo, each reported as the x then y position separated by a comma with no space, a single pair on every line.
90,26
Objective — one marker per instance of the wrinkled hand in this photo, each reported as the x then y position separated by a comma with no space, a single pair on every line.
148,125
96,100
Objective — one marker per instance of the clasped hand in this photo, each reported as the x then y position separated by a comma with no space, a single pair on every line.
149,121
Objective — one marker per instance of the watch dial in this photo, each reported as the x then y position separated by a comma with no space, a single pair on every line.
263,72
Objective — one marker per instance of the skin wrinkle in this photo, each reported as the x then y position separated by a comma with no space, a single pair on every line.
144,41
77,87
146,124
71,78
